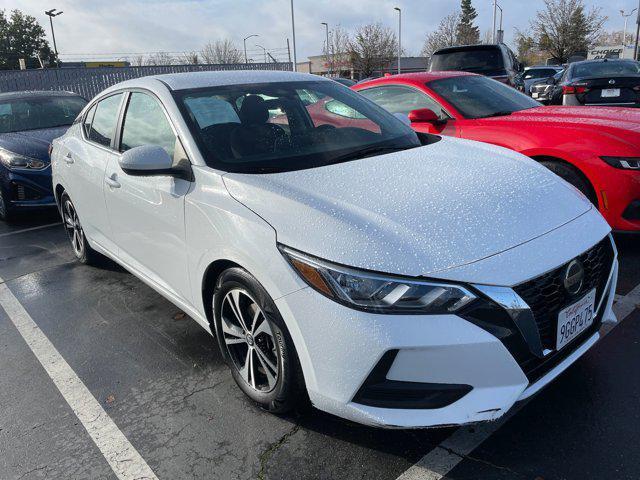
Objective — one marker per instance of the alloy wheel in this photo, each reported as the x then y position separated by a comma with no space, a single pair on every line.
249,339
3,207
73,227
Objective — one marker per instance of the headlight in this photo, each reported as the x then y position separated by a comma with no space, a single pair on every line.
14,160
625,163
376,292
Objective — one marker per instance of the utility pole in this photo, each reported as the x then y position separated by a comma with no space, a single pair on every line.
635,49
52,13
500,36
293,31
399,35
493,32
329,59
244,41
624,31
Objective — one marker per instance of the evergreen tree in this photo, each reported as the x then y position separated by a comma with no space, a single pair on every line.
467,33
21,36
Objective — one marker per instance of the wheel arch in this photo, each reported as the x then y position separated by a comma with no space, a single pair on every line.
209,279
593,196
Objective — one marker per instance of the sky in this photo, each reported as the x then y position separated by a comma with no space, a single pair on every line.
120,28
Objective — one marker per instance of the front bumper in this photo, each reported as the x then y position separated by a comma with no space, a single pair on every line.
27,189
340,349
619,197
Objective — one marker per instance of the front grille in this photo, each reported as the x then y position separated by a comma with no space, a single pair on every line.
546,294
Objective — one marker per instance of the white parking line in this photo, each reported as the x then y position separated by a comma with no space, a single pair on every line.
123,458
40,227
444,458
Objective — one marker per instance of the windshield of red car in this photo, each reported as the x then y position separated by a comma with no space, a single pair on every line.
33,113
282,126
479,97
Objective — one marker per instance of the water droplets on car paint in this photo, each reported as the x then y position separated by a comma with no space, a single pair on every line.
400,212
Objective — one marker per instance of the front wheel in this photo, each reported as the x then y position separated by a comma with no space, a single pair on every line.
255,343
5,213
81,248
569,174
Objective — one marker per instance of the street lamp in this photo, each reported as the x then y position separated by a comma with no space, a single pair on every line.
244,41
293,30
399,35
635,48
52,13
624,32
329,60
500,36
264,51
493,32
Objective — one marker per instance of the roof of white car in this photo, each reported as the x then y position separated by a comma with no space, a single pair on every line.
188,80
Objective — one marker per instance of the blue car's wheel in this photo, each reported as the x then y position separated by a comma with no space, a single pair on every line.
5,213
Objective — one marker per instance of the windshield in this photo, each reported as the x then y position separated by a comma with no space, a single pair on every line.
32,113
260,128
605,69
478,97
487,61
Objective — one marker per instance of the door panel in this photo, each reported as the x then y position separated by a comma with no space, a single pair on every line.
147,221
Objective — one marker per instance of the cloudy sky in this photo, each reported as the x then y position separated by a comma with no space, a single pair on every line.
122,27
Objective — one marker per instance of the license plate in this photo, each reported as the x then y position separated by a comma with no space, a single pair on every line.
575,319
610,92
535,95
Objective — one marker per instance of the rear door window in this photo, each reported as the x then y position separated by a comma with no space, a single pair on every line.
103,126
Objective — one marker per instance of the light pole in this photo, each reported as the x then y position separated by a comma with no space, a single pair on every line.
624,31
399,35
635,49
329,60
264,51
52,13
293,31
493,32
500,31
244,41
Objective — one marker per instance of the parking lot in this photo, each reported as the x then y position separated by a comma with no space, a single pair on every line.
167,393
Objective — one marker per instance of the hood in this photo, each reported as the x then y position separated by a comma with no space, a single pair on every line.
612,118
414,212
31,143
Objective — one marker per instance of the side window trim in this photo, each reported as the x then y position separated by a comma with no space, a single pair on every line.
110,148
412,89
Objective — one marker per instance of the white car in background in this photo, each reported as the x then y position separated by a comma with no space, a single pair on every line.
398,279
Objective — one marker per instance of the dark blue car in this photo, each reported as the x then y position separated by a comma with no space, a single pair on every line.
29,121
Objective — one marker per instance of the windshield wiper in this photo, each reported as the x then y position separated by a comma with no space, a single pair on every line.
367,152
502,113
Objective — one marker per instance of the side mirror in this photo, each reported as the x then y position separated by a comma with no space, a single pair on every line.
551,81
147,160
424,115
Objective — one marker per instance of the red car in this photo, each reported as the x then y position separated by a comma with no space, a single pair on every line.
596,149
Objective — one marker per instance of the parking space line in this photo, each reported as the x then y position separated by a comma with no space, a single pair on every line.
436,464
123,458
40,227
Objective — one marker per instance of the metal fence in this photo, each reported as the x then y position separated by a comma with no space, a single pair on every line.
88,82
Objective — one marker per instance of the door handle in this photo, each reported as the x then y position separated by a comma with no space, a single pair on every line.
112,182
68,158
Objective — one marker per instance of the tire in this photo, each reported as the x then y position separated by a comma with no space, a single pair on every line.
81,248
571,175
257,348
5,213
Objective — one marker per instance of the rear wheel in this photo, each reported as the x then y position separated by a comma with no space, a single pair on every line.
255,343
573,176
83,252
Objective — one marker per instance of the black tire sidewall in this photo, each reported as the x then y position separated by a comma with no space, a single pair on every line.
86,249
286,392
568,174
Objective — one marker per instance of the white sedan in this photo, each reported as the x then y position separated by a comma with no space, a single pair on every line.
396,279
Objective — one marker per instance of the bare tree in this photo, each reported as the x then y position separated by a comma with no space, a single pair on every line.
564,28
337,52
372,47
160,58
444,36
138,60
190,58
221,51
